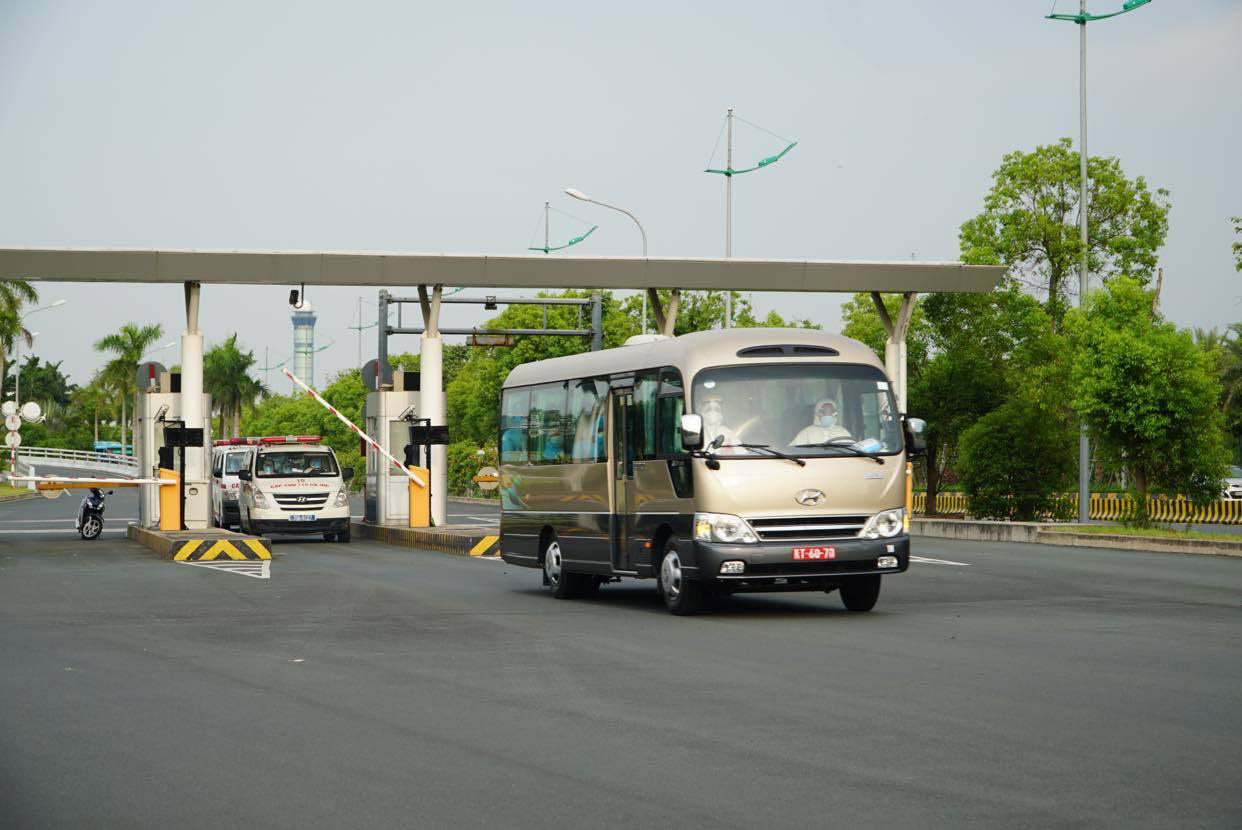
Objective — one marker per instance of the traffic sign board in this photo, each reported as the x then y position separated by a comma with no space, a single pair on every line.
13,440
13,422
487,478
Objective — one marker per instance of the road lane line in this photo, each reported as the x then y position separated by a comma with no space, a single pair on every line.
927,561
59,530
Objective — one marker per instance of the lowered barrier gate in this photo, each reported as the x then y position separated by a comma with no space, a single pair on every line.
1115,507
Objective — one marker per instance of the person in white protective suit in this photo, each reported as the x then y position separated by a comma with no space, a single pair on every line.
712,410
824,426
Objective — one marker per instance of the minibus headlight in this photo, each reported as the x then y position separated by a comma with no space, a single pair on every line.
884,525
260,500
342,497
721,527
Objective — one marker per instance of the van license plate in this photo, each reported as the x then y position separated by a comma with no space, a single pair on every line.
302,517
813,554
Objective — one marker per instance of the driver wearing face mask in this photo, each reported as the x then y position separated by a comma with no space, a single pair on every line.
712,410
824,427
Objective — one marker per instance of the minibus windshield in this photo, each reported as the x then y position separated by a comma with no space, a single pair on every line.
809,410
282,464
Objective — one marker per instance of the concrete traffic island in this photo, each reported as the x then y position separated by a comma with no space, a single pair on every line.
202,545
1063,534
460,540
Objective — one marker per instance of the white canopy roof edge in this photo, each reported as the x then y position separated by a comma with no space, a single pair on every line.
385,268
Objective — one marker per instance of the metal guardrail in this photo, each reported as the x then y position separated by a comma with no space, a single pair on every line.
77,458
1116,507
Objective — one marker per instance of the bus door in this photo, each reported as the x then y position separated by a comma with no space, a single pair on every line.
621,467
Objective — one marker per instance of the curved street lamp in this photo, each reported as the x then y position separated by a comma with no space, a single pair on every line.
1082,19
579,195
17,372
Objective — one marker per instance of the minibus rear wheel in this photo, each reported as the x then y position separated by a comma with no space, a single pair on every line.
859,593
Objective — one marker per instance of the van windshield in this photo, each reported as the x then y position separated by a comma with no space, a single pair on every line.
802,409
233,462
301,464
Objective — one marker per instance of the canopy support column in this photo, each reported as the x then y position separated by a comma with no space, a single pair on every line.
895,344
431,396
192,394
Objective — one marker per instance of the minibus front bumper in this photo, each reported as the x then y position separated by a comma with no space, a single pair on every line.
771,565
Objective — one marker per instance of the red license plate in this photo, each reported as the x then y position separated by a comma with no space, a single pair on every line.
813,554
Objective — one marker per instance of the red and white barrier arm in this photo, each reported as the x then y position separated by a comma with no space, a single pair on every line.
410,475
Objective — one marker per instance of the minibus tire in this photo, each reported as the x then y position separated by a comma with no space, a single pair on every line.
564,585
859,593
682,596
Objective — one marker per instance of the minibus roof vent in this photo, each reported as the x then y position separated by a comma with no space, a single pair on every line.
787,349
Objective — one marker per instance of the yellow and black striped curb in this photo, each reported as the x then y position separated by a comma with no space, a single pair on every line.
205,550
202,545
457,540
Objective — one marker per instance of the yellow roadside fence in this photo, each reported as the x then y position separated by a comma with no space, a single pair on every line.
1115,507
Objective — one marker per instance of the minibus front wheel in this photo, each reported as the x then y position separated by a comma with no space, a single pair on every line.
859,593
681,596
564,584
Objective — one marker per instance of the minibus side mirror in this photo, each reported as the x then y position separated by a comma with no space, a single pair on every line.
916,445
347,473
691,432
244,475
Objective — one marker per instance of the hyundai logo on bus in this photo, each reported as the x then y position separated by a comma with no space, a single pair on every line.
810,498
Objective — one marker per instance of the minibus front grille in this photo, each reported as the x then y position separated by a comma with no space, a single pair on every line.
807,528
302,501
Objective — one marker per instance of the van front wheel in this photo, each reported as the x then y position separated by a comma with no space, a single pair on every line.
859,593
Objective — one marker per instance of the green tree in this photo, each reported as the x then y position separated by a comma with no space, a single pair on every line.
1018,460
12,296
226,375
1237,246
128,345
1030,222
1148,395
42,382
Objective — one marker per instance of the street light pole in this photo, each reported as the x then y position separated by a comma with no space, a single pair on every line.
17,374
578,194
1082,19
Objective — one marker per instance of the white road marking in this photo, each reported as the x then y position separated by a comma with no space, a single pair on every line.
59,530
259,570
488,558
484,519
928,561
58,521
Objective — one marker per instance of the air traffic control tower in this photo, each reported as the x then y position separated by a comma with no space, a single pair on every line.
304,343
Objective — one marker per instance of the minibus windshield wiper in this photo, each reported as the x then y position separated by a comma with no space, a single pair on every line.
847,447
772,452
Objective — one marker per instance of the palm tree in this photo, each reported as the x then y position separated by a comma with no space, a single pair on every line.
93,397
226,376
129,345
12,296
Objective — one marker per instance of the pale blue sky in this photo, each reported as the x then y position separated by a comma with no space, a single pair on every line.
444,127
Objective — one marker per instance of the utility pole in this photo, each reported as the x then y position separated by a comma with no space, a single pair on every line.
729,210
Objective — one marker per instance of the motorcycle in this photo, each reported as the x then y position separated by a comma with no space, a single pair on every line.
90,514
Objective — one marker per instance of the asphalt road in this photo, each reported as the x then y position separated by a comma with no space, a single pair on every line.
369,686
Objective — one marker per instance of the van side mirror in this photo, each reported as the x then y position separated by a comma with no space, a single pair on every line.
244,475
691,432
347,473
916,444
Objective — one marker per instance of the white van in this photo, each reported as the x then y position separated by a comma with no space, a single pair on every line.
228,456
294,485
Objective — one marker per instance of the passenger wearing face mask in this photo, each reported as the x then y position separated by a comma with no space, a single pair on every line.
824,426
712,410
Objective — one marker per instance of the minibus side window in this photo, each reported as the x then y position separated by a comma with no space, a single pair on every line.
514,414
646,386
547,424
585,427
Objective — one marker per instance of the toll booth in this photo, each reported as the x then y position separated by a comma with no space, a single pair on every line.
159,408
388,414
